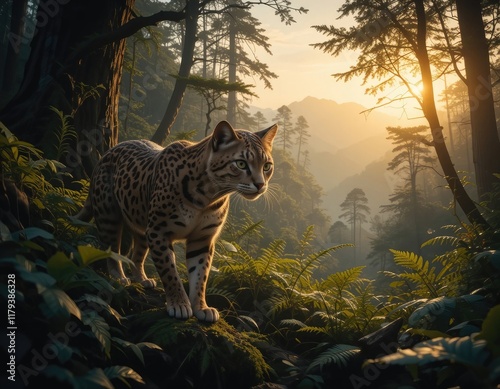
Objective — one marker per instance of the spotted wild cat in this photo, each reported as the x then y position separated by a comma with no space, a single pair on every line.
180,192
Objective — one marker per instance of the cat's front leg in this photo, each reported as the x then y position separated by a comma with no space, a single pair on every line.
199,256
162,253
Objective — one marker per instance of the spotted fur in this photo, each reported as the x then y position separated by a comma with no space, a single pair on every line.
177,193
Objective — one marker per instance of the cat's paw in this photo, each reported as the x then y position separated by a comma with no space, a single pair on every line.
209,315
125,281
180,311
148,283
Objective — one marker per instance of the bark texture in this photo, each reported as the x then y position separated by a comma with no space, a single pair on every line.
485,140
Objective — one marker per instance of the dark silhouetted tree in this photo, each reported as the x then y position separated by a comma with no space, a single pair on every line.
356,210
284,120
393,42
301,127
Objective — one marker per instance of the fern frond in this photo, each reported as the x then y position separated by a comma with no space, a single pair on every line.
292,323
453,241
268,259
306,239
340,281
423,276
340,355
275,250
313,330
65,133
278,304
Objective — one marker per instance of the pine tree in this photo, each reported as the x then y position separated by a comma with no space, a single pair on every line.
355,210
286,132
301,127
412,157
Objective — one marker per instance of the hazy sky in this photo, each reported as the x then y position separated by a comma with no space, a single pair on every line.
304,71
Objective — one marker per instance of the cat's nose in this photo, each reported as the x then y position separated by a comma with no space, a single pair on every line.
259,185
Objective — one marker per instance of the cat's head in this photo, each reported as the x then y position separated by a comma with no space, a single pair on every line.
241,161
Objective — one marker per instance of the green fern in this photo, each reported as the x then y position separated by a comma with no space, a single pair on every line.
293,323
314,330
64,135
431,281
452,241
340,355
466,350
341,281
310,263
422,274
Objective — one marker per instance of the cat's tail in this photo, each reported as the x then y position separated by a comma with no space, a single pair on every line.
86,213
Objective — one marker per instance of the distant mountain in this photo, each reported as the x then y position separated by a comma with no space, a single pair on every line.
374,179
340,125
348,149
331,168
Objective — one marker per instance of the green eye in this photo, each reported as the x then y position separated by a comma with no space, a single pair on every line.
267,166
240,164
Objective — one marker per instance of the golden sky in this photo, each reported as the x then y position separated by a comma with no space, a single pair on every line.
304,71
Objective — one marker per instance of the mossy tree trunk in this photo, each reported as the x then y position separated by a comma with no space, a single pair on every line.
85,86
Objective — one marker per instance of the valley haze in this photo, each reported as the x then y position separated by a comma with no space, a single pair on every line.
348,149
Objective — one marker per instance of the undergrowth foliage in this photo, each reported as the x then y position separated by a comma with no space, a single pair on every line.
281,323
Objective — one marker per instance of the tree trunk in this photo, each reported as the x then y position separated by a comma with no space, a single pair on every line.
485,140
430,113
231,98
55,77
415,211
15,38
175,102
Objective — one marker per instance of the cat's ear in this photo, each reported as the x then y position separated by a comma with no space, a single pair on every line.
223,136
267,135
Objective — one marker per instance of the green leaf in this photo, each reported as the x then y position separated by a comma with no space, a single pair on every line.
32,245
429,333
62,375
436,313
5,234
63,351
99,328
123,373
94,379
131,346
61,267
149,345
89,254
31,233
39,204
38,278
58,303
228,246
206,360
96,300
465,350
490,330
490,256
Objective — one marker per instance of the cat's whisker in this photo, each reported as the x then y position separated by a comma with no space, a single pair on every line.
271,196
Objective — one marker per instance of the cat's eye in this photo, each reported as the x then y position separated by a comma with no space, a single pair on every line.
267,166
240,164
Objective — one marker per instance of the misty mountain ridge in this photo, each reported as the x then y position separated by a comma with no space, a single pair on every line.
347,149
